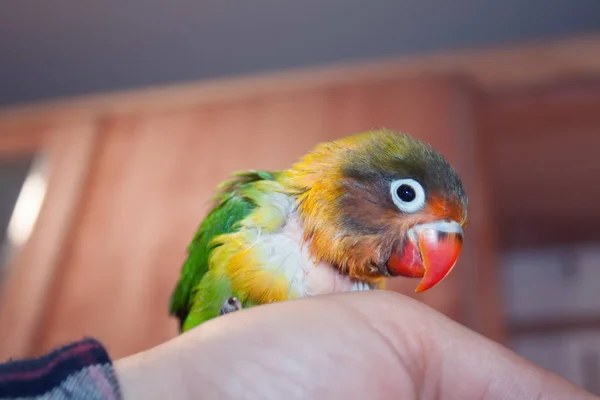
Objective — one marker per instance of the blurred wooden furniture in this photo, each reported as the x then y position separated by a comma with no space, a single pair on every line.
130,175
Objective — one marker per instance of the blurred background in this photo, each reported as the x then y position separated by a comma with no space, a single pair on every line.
117,119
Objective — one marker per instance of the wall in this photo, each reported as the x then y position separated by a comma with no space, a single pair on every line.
67,47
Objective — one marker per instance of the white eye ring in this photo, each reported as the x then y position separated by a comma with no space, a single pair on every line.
408,205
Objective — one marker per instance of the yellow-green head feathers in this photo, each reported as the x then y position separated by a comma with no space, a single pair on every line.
346,199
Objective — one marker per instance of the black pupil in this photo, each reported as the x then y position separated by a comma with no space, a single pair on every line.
406,193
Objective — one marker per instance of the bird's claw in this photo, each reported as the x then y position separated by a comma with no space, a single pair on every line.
358,286
230,305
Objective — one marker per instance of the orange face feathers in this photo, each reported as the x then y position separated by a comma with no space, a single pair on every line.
380,204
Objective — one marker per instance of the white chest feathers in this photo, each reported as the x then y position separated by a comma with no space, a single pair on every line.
285,253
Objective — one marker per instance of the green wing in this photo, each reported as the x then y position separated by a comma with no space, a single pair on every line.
229,208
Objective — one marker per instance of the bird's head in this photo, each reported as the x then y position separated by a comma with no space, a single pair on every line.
381,204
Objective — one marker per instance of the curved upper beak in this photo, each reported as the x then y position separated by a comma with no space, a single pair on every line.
430,253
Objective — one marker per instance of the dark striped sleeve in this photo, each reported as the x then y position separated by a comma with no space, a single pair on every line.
80,370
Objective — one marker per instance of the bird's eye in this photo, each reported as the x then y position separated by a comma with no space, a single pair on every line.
408,195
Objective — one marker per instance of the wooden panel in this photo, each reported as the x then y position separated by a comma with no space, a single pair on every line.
513,111
22,142
36,265
543,148
154,173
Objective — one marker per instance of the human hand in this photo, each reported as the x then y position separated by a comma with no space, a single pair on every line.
362,345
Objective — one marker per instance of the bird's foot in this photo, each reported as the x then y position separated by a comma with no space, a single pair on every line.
230,305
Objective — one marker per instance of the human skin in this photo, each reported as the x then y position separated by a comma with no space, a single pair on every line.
361,345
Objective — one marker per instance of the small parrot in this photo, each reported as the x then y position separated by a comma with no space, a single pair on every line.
347,216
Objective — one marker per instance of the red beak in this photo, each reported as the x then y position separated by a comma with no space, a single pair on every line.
430,251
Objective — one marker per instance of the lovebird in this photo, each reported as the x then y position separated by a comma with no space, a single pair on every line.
346,217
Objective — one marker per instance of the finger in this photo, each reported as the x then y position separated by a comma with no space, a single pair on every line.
358,345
